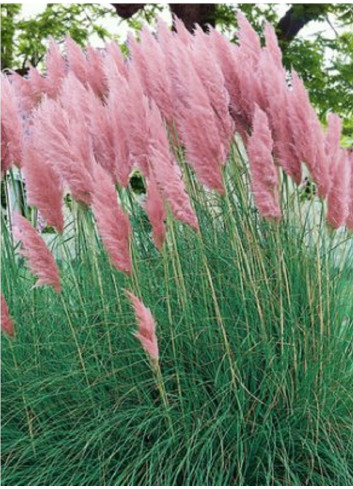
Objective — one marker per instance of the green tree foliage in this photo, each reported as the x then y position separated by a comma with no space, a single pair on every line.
25,41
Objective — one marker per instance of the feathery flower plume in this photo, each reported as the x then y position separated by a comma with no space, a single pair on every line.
43,185
349,221
183,34
40,260
29,90
264,178
147,327
38,83
134,112
212,78
122,163
115,56
7,325
196,120
272,45
61,140
56,70
102,133
157,83
11,127
308,135
155,211
332,141
249,41
338,199
113,224
128,106
167,172
28,100
95,72
277,108
226,55
77,60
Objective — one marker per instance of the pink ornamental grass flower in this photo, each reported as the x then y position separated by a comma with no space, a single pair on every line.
95,72
113,224
64,143
56,70
155,211
40,260
115,57
122,163
196,120
77,60
226,55
212,79
157,83
308,135
147,328
7,325
249,41
11,126
167,172
277,108
332,141
131,106
349,221
43,185
338,199
264,177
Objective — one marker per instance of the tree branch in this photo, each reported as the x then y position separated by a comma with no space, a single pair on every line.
296,18
127,10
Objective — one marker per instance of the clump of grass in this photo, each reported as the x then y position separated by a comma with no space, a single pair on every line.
254,330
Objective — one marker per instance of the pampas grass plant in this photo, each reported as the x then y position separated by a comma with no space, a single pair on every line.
239,371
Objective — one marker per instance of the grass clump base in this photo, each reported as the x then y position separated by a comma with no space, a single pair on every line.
254,329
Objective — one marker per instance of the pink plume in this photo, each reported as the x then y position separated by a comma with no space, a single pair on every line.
56,70
11,126
196,120
122,163
134,112
157,83
7,325
115,57
102,133
264,178
63,142
349,222
147,327
183,34
38,83
308,135
113,224
155,211
40,260
212,78
332,141
249,41
338,199
43,185
167,173
24,91
227,58
272,45
277,108
77,60
95,72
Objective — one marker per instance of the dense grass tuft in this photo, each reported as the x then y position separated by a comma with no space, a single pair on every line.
254,327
